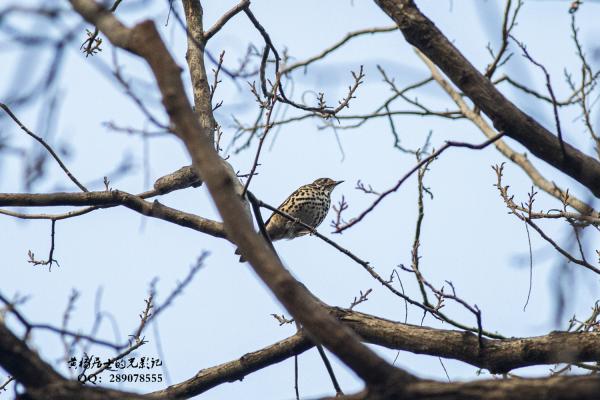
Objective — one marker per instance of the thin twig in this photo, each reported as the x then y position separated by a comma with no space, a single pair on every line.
93,42
296,377
29,327
364,296
216,82
50,259
422,282
110,362
426,160
43,143
337,45
417,239
136,340
336,385
589,79
550,91
507,27
572,99
271,100
322,108
523,216
530,267
339,209
5,384
129,92
209,33
65,322
517,157
178,290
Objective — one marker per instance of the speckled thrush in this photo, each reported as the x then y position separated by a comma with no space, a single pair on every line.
309,203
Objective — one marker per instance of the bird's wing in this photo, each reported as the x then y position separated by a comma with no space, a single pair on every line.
286,203
282,205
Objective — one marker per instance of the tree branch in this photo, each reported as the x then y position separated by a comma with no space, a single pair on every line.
46,146
555,388
520,159
195,59
40,380
497,356
224,19
208,378
419,31
113,198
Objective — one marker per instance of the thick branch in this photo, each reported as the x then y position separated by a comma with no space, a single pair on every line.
520,159
496,355
112,198
423,34
554,388
40,380
183,178
20,362
236,370
195,59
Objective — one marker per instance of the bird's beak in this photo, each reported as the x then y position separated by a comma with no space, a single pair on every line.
337,183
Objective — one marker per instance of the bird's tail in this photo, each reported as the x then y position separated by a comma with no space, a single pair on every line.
242,259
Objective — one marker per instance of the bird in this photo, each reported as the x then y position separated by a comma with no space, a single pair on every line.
309,204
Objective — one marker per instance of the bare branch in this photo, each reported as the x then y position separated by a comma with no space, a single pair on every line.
518,158
220,23
426,160
360,299
336,385
46,146
524,216
208,378
550,91
423,34
322,109
29,327
349,36
113,198
270,105
131,94
93,42
50,259
6,383
508,23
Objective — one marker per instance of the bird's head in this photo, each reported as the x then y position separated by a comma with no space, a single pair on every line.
326,183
